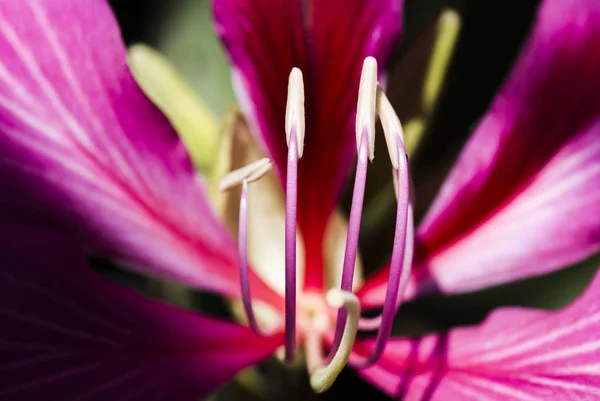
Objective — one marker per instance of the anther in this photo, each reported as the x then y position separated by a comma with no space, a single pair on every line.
294,113
322,377
392,128
367,99
249,173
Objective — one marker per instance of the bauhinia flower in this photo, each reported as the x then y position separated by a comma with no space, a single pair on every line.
84,152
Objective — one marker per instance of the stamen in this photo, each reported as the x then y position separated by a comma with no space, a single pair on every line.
294,129
365,140
243,176
394,136
290,247
294,113
365,110
243,259
322,377
249,173
399,269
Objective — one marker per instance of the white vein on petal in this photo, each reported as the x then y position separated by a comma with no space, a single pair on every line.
562,384
17,88
34,69
559,353
533,342
492,385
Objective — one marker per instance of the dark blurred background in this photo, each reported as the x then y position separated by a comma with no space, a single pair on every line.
491,34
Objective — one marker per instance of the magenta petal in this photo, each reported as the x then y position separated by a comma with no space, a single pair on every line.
328,41
516,354
83,149
520,200
69,335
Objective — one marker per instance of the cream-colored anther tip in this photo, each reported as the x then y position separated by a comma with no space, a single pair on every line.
392,128
294,112
249,173
366,107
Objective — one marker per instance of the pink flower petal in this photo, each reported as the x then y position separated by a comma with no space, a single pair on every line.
519,200
69,335
516,354
328,41
83,149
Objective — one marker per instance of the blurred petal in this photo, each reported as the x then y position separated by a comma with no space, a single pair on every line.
328,41
519,200
515,354
195,123
84,149
69,335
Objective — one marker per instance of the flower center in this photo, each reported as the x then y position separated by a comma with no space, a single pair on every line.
313,322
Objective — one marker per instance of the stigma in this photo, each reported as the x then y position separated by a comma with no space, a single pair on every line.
331,320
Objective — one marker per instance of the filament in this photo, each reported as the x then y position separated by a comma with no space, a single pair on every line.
243,259
291,196
373,323
399,270
353,233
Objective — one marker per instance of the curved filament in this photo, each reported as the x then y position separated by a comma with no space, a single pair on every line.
323,376
243,259
399,271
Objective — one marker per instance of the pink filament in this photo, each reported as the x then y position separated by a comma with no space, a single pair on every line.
374,323
243,259
353,232
398,277
290,247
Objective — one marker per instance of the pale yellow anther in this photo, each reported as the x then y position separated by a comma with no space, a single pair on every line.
365,109
322,378
294,112
249,173
392,128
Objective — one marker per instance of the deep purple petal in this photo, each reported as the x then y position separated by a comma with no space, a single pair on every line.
69,335
328,41
516,354
520,200
82,149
